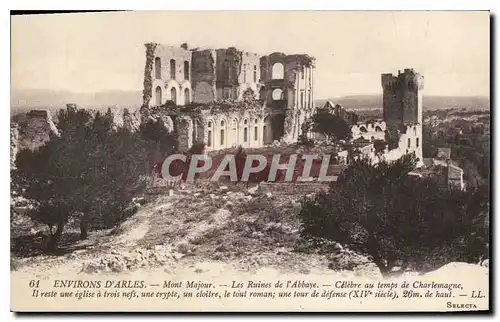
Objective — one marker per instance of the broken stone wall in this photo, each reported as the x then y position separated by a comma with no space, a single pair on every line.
147,91
296,85
161,76
125,118
184,133
14,143
249,77
203,73
36,129
228,69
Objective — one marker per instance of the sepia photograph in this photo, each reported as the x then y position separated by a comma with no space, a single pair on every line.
263,161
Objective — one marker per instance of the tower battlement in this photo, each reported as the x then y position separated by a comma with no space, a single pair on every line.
406,80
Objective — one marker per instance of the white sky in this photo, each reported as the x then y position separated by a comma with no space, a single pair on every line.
105,51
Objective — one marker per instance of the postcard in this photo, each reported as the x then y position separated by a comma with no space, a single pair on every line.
252,161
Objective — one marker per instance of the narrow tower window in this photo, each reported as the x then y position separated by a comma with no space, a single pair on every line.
172,69
186,70
157,68
158,95
187,99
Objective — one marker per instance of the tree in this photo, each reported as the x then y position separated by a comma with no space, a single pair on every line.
248,95
396,219
90,171
330,125
303,139
379,146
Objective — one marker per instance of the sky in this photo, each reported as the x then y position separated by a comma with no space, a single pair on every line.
92,52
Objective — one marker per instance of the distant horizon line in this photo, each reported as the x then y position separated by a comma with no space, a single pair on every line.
140,91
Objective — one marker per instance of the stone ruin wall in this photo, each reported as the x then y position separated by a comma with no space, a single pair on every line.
36,128
203,78
147,92
292,86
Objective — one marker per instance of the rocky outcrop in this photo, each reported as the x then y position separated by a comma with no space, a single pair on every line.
33,131
125,118
14,143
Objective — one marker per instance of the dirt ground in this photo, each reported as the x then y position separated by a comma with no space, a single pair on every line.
243,228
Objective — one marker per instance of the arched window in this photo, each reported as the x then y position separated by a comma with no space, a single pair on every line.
255,133
158,95
209,139
278,71
172,69
363,129
302,99
417,142
277,94
244,73
414,131
173,95
266,130
187,99
409,142
186,70
157,68
233,138
254,73
245,131
222,132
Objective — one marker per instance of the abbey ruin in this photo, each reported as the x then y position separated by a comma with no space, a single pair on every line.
228,97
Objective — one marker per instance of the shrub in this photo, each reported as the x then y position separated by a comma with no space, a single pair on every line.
90,171
395,218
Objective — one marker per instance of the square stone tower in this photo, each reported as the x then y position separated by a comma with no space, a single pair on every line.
402,109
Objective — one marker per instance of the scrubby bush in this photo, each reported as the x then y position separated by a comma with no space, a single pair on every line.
90,171
303,138
330,125
397,219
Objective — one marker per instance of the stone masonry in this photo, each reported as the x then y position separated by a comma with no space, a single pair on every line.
244,98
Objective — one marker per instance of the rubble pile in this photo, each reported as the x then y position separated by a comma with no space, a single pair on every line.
122,260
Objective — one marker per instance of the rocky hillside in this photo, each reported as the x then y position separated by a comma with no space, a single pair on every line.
245,228
205,229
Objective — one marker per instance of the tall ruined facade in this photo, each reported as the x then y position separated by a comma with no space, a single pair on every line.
287,86
244,98
402,110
